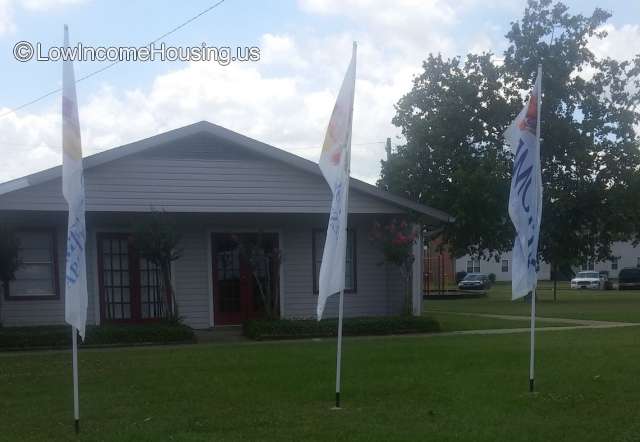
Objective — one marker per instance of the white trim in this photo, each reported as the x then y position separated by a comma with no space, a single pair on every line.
281,264
96,277
417,274
207,240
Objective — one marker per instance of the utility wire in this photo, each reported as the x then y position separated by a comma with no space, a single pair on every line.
104,68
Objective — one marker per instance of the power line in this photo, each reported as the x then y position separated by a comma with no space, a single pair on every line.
104,68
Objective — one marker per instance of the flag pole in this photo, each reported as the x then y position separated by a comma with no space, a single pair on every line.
339,351
533,293
533,341
76,405
341,303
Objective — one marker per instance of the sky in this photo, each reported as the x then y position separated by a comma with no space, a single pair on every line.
284,99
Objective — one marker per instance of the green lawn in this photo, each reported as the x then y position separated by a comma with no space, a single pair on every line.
609,305
455,388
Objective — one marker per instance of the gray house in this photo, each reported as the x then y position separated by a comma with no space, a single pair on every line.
215,183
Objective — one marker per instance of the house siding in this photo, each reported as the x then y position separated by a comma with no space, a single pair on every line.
379,286
196,175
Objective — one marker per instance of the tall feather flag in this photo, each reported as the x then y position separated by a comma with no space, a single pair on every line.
525,204
335,161
73,190
525,198
76,299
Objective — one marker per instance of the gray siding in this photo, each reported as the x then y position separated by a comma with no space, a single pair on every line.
196,175
371,298
47,312
379,288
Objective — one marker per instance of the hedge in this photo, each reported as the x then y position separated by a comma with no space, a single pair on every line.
14,338
310,328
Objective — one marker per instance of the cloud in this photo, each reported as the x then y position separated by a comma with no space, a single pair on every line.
6,17
7,7
621,43
285,99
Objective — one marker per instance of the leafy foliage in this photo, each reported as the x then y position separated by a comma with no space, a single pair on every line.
395,240
59,336
310,328
264,262
157,239
9,256
455,157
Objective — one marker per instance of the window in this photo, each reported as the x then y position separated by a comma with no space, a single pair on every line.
473,266
505,265
130,288
350,274
589,265
37,277
614,263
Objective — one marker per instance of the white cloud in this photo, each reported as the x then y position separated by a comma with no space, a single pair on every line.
7,8
621,43
6,17
285,99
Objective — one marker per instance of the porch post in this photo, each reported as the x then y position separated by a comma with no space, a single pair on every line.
417,274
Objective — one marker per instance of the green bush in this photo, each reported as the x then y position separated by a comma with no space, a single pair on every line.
59,336
309,328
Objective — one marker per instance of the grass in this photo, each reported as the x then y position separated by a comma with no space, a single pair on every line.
456,388
609,305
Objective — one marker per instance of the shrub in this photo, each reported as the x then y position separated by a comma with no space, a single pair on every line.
460,276
60,335
492,278
310,328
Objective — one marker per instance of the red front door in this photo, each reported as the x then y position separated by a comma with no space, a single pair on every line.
236,296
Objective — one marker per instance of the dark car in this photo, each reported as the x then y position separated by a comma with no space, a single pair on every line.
475,281
629,278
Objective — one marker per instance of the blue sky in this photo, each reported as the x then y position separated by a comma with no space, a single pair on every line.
284,99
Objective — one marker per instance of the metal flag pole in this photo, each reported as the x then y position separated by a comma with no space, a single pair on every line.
533,293
533,341
339,352
76,405
346,204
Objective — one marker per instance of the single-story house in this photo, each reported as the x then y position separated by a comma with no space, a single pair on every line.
215,183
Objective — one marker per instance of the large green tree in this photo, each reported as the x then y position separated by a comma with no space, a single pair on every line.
455,155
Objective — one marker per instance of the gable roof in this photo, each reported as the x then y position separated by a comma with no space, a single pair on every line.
250,144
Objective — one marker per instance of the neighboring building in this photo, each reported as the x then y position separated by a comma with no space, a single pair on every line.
439,267
501,268
215,183
625,253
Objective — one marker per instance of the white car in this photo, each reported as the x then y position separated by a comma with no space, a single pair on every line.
588,280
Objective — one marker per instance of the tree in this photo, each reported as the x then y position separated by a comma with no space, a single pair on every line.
395,240
9,256
157,240
455,157
264,261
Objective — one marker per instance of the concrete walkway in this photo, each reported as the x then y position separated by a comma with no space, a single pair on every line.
577,322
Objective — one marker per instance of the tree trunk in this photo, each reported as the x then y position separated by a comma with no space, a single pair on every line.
168,291
555,283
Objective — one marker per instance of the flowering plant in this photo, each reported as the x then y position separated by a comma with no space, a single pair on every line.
395,240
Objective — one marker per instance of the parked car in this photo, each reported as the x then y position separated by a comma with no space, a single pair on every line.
588,280
629,278
475,281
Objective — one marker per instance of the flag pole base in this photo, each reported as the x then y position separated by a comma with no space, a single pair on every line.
337,407
530,385
77,426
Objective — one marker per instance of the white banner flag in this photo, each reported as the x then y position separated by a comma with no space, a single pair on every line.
75,302
334,164
525,199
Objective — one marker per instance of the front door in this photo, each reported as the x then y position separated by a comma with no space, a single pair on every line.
236,294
